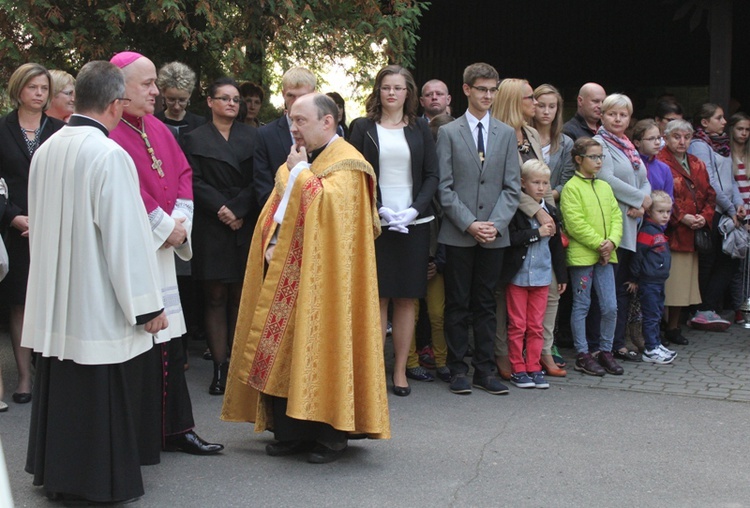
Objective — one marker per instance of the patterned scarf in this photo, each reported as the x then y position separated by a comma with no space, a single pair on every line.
624,145
719,143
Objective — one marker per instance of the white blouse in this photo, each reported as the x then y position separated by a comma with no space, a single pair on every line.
395,179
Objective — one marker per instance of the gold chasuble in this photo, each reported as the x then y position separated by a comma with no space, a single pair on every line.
309,323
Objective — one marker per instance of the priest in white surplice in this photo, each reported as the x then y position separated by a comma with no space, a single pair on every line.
93,304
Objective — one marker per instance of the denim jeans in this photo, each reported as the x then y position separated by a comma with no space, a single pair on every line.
652,308
602,278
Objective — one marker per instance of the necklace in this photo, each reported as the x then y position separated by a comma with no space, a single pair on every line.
156,163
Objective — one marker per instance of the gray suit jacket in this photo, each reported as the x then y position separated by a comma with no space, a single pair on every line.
471,191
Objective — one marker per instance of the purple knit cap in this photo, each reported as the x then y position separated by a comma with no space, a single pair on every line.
125,58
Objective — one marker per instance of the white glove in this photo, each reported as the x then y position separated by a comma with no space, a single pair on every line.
3,188
399,229
387,214
404,217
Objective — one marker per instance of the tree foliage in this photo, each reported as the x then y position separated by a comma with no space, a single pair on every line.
215,37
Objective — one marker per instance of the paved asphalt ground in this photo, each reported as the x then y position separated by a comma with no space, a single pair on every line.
672,436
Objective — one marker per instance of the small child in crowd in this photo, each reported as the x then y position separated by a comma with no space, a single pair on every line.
649,270
593,223
534,248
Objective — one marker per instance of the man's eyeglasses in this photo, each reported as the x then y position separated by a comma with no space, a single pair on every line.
125,101
225,98
483,89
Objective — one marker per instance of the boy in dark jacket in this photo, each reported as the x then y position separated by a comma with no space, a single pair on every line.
535,250
650,270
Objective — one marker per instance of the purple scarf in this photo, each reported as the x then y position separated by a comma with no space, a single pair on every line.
719,143
624,145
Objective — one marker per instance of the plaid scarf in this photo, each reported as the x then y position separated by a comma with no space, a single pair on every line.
719,143
624,145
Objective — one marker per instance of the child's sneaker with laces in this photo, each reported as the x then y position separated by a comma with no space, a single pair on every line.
522,380
656,356
539,381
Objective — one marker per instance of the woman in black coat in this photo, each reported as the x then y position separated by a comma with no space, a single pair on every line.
221,155
22,131
401,150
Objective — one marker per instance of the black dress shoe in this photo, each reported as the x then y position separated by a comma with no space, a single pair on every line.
675,337
284,448
323,455
401,391
191,443
21,398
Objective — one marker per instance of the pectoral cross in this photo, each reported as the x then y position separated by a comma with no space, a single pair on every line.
156,164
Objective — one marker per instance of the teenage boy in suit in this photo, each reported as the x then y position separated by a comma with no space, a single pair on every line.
479,191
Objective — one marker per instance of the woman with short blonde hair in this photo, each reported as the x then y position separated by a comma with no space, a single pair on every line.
63,95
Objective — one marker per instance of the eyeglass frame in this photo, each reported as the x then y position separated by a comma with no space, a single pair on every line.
173,100
483,89
595,158
226,98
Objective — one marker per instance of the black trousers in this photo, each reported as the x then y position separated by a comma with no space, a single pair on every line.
715,272
286,428
471,274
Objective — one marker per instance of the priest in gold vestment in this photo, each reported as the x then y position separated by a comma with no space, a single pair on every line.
307,360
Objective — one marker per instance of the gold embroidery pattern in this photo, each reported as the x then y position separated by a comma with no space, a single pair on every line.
284,297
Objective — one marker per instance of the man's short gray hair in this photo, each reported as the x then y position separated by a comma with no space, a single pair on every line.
325,106
97,85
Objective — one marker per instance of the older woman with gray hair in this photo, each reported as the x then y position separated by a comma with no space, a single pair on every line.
693,209
625,172
176,82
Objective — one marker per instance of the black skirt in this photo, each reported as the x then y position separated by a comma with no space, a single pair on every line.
402,262
13,287
82,438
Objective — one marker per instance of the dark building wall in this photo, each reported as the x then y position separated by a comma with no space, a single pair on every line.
635,47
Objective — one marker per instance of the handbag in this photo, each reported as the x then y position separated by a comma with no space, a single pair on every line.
703,242
735,240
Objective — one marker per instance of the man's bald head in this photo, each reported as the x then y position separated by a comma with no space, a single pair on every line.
314,119
140,86
590,98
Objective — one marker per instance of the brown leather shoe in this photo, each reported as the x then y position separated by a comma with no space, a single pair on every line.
549,366
503,367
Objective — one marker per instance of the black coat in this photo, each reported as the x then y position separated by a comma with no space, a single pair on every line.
222,176
15,162
522,235
424,163
272,147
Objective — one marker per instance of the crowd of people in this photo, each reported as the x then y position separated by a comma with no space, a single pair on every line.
298,246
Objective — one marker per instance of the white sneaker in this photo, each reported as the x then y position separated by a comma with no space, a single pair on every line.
656,356
667,352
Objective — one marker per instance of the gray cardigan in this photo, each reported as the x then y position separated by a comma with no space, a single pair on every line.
630,187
